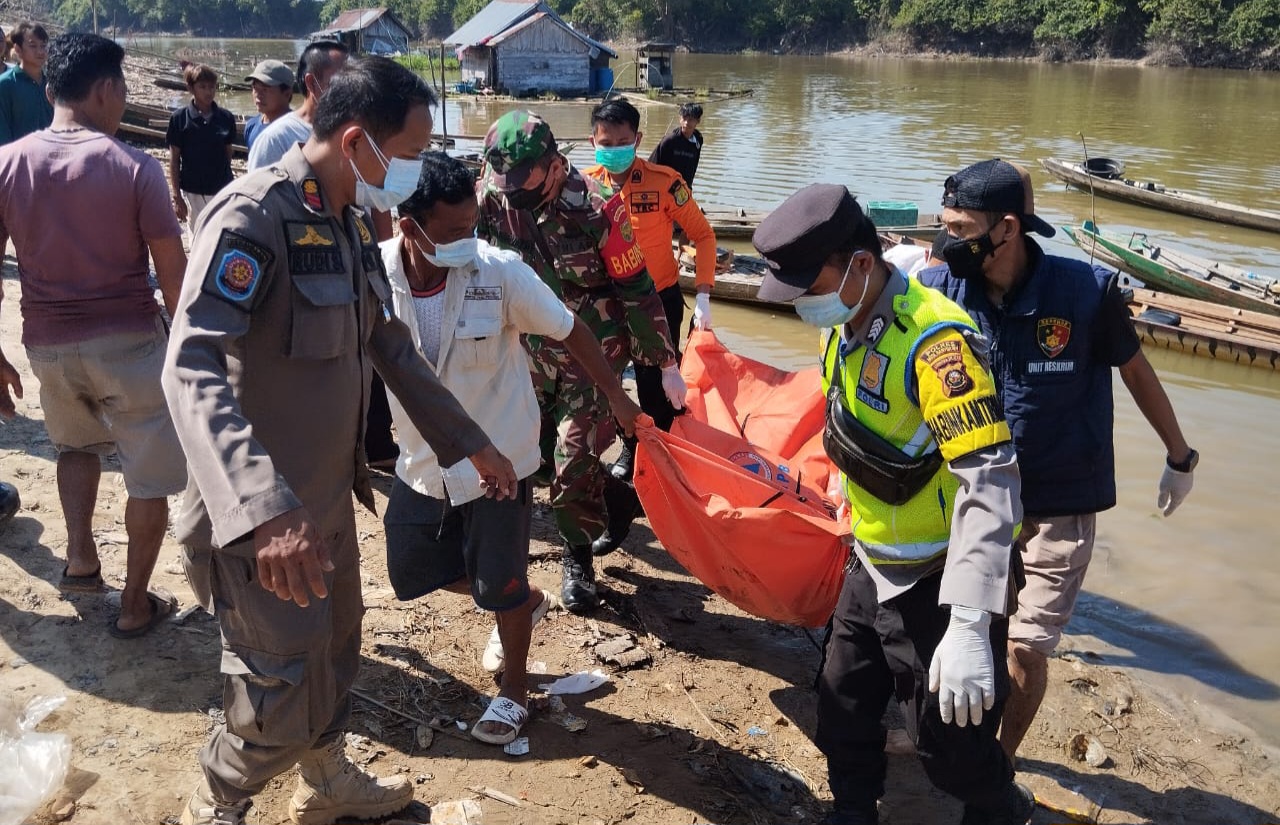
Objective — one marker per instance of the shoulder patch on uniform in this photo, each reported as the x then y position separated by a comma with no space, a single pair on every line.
636,176
311,194
313,248
235,269
680,191
946,359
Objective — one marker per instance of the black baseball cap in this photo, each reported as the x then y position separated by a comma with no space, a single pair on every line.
996,186
797,238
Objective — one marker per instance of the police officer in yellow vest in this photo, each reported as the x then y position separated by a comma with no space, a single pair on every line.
929,472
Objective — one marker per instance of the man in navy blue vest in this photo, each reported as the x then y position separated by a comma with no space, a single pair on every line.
1056,327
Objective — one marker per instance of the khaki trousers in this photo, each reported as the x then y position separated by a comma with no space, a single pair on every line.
288,669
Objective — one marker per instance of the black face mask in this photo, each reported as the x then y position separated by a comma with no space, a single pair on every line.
526,198
530,199
965,256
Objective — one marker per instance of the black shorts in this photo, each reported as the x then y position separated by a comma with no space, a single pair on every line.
431,545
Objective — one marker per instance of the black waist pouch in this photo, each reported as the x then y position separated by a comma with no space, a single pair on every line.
869,461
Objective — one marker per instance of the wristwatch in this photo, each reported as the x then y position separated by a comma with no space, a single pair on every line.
1186,465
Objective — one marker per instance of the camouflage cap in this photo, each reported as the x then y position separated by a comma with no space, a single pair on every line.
514,143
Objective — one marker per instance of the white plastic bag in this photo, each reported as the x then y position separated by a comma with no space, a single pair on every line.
32,765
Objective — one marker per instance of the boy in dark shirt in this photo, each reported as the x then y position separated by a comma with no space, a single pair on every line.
682,147
199,137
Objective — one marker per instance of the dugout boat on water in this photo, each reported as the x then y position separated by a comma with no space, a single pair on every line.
1105,177
740,224
1180,273
1196,327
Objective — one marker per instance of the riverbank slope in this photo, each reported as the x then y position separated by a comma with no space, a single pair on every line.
714,723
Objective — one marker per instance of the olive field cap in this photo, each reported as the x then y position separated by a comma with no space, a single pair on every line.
272,73
996,186
798,237
513,146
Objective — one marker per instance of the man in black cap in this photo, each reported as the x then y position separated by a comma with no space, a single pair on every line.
1059,327
914,425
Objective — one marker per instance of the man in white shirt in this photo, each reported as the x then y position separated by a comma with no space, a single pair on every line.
467,304
320,61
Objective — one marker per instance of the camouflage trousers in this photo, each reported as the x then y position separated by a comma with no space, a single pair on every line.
577,424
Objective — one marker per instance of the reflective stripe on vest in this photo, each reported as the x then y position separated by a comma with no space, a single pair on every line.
880,391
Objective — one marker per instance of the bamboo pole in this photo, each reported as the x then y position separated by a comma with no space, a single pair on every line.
444,98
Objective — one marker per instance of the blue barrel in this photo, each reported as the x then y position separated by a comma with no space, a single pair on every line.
893,213
602,79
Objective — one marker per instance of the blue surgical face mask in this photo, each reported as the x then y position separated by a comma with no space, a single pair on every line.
616,159
449,255
400,182
829,310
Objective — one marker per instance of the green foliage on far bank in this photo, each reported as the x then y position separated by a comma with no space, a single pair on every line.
229,18
1243,33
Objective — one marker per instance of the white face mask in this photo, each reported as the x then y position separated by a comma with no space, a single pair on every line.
401,181
829,310
449,255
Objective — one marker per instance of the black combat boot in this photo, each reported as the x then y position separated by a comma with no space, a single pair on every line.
1015,808
578,587
621,507
853,800
10,502
624,467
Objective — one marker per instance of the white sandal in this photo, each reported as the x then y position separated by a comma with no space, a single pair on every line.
508,713
493,659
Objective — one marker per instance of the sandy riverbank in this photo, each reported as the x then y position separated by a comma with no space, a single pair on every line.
716,727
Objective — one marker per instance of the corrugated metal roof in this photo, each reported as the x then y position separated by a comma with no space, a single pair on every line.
493,19
356,18
498,20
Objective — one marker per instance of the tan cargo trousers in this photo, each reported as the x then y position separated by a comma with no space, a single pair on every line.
287,669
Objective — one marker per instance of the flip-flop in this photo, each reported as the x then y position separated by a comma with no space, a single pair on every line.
493,659
508,713
162,603
91,583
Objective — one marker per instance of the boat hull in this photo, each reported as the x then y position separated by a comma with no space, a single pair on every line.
1141,259
1169,200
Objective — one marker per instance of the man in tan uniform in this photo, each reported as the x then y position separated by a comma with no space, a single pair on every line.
283,314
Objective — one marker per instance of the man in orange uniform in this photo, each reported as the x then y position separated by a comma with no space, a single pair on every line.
658,198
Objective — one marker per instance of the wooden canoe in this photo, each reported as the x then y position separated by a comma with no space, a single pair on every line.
1158,196
1206,329
738,277
1201,328
1178,272
740,224
148,125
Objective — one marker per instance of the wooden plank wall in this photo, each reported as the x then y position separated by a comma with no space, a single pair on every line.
475,65
546,57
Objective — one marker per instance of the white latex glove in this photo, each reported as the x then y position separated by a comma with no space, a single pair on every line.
673,385
1174,487
962,672
835,494
702,311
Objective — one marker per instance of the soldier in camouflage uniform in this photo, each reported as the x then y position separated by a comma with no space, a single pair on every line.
576,234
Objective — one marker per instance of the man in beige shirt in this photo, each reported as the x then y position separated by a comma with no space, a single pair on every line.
283,315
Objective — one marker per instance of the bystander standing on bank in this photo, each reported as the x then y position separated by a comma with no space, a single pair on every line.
24,107
272,86
200,137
